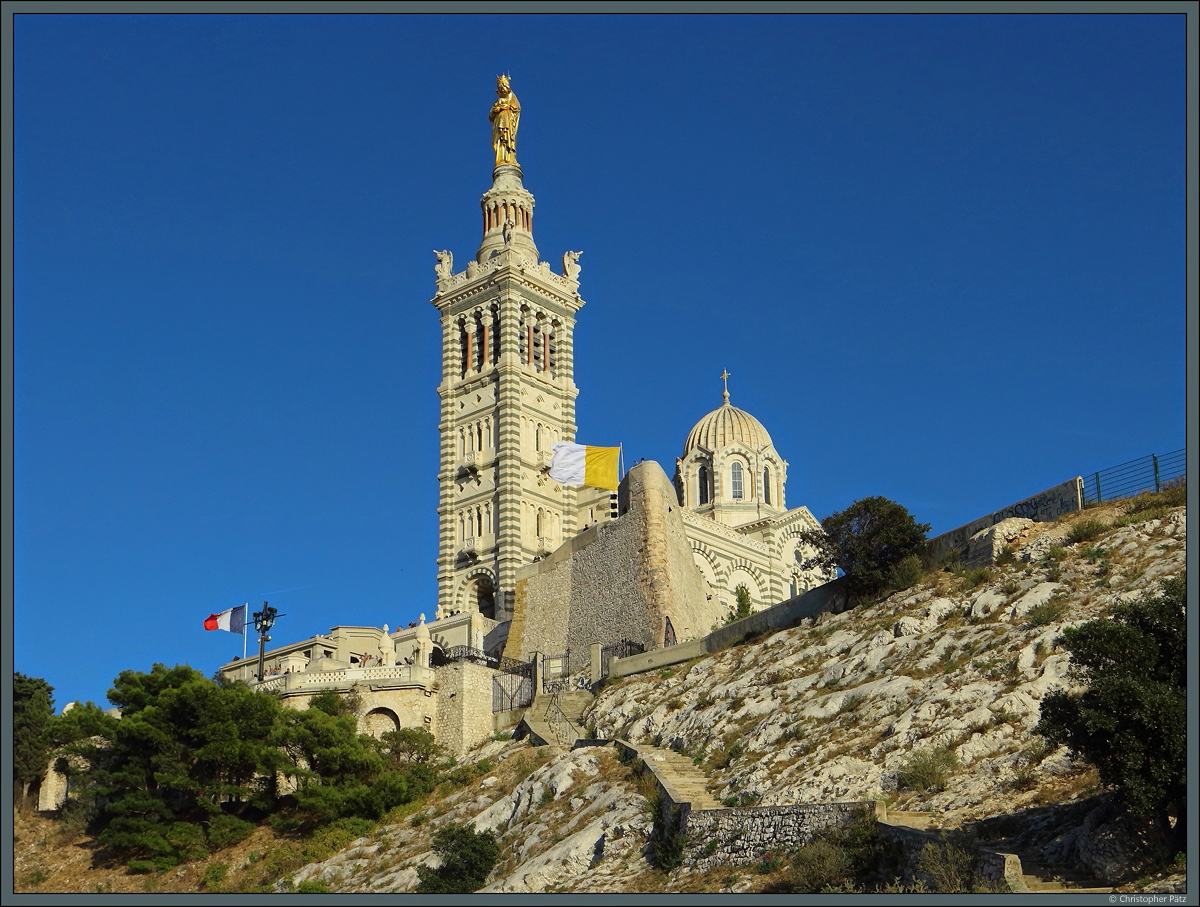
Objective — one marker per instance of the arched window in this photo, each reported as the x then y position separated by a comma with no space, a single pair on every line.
766,484
736,490
702,480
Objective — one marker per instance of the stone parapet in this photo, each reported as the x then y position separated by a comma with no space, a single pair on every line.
832,597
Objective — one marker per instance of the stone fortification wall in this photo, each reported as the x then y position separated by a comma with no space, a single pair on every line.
723,837
464,706
1045,507
619,580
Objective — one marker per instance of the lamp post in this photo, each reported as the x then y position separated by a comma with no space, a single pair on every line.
263,621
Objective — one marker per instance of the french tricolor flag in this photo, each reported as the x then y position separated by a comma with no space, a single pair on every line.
231,621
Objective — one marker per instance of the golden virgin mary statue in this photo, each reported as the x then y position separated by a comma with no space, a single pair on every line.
504,116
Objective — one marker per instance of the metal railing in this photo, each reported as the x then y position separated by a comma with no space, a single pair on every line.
480,657
1146,474
565,731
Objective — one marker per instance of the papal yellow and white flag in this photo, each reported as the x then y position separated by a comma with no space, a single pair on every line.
578,464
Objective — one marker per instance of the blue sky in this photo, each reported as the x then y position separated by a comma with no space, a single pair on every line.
942,257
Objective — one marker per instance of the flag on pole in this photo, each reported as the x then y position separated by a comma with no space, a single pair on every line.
578,464
231,621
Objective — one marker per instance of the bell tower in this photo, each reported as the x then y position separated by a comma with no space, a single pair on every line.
507,393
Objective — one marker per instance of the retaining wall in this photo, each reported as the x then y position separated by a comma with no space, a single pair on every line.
1044,507
721,837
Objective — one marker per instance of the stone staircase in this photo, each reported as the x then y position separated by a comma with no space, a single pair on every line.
1049,879
678,772
1035,877
554,720
912,819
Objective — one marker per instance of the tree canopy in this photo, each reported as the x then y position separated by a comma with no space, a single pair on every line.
1130,720
33,709
865,541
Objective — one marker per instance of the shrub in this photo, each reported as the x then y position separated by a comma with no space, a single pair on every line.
976,576
312,886
742,608
952,867
852,858
1048,611
927,770
1086,530
769,863
214,875
906,573
468,857
225,831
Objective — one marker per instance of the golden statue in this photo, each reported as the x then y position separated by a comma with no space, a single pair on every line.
504,116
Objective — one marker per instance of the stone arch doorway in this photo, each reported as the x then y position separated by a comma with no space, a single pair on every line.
378,722
437,657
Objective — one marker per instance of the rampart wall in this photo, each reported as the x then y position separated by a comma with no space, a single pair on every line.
618,580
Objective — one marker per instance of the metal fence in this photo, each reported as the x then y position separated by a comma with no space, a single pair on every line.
1135,477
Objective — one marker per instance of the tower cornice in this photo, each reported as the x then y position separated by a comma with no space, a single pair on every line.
537,276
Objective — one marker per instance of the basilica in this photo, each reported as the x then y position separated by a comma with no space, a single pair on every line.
528,566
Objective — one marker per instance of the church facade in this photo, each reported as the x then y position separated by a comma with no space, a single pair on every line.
527,565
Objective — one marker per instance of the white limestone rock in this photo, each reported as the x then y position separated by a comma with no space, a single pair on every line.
1038,595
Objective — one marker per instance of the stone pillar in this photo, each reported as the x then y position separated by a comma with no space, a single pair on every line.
597,659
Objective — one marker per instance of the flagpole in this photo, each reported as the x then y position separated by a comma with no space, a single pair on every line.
244,616
621,457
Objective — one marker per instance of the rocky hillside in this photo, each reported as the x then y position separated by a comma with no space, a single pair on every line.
942,681
925,700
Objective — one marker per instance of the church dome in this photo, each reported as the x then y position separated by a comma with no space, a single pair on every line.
727,425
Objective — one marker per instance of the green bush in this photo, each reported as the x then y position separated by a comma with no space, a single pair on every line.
975,576
1086,530
1048,611
1131,720
214,875
906,572
225,831
927,770
468,857
668,840
743,607
951,866
852,858
312,886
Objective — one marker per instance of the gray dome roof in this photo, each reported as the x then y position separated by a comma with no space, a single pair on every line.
727,425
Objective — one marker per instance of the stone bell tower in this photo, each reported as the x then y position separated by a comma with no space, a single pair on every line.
507,393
